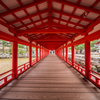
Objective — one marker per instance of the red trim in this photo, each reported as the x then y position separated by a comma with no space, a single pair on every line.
78,6
52,31
21,8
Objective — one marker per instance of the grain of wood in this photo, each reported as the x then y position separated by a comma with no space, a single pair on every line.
50,79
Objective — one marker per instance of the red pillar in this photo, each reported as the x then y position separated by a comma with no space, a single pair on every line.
30,55
37,53
40,52
73,55
15,59
87,59
66,54
63,52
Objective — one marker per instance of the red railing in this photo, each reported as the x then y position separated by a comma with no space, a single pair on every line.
38,58
7,76
33,62
65,58
80,68
69,61
23,68
95,77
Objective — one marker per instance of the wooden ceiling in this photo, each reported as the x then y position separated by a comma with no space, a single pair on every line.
49,23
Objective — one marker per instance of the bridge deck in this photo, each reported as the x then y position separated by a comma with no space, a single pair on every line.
50,79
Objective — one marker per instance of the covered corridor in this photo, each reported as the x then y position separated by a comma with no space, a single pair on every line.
50,79
30,29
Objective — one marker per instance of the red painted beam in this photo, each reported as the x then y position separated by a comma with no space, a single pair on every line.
52,43
72,15
52,31
69,22
56,24
31,23
21,4
9,27
51,40
38,12
21,8
29,16
78,6
50,13
62,26
36,27
50,37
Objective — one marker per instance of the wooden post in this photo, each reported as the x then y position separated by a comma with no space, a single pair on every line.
30,55
36,53
87,59
73,55
15,59
63,53
40,52
66,54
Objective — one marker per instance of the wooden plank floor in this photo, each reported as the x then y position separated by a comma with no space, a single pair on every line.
50,79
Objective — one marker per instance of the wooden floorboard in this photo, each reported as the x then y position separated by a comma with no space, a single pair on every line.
50,79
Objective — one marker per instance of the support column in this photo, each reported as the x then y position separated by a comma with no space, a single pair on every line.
87,59
36,53
30,55
15,59
73,55
63,53
40,52
66,54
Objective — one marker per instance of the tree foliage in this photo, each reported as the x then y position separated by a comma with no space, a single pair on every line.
21,51
21,46
79,47
92,43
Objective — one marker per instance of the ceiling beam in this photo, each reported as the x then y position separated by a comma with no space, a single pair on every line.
34,28
69,22
29,16
22,8
72,15
62,26
57,40
32,23
30,31
52,43
50,13
53,10
78,6
8,26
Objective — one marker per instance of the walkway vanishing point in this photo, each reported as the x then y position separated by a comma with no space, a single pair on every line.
50,79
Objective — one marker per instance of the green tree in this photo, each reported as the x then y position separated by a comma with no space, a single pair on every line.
10,49
21,46
92,43
69,48
21,51
4,43
80,47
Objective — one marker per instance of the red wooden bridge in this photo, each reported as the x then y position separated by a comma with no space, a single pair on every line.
50,25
